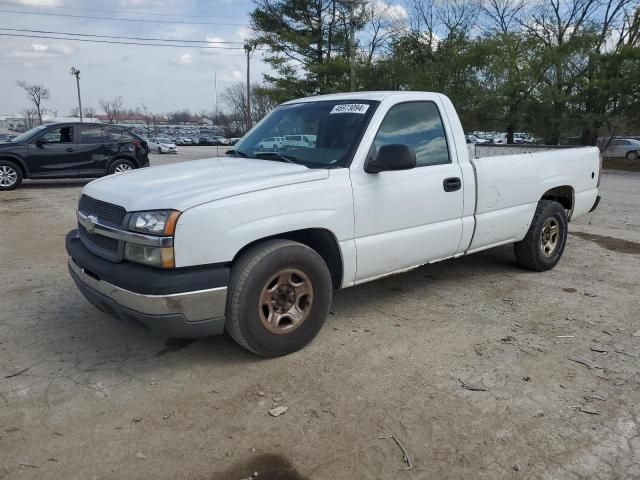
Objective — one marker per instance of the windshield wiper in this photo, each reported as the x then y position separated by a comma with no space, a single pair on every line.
238,153
279,156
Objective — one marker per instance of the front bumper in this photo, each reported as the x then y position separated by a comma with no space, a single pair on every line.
183,303
595,205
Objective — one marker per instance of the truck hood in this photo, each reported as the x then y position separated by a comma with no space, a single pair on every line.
184,185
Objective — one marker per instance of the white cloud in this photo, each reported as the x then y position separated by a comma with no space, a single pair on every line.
42,50
232,76
184,59
388,11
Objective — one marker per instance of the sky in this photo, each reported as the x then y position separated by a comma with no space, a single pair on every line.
164,78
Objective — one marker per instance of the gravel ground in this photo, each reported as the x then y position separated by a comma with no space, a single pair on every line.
479,370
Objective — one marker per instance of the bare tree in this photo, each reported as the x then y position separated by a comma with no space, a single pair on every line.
89,112
30,115
383,26
503,15
36,94
235,97
112,109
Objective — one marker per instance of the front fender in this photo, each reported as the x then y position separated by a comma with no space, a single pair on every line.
216,231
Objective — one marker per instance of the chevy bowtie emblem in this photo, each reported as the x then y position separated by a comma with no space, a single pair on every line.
93,220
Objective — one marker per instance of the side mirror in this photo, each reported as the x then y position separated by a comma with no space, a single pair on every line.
40,142
392,157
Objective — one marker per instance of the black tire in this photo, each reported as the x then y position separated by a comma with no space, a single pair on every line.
120,163
10,175
531,251
159,150
632,156
250,276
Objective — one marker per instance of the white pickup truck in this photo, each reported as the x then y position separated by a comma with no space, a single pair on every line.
255,242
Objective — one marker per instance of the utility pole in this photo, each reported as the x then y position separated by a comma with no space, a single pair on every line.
215,89
247,48
74,72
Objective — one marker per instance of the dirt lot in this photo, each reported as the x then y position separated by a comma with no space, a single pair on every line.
551,363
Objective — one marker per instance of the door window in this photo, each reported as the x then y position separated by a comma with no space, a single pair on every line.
417,124
93,134
58,135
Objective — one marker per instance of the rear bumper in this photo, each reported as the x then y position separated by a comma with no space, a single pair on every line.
175,305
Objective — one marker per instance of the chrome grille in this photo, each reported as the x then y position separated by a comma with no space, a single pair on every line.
107,213
100,241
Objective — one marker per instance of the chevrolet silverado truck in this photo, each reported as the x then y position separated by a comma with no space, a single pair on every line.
255,243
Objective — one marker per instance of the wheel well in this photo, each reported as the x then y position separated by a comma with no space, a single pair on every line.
320,240
563,195
18,163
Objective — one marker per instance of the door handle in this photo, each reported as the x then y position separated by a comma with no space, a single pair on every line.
452,184
70,149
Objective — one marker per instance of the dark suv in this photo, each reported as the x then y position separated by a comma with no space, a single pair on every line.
70,150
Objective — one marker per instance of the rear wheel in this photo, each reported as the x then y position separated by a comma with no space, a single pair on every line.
544,243
279,297
632,155
10,175
121,165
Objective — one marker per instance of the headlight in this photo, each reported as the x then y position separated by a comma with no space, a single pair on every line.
155,222
161,257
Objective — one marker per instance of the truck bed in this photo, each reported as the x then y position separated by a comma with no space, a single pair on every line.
511,180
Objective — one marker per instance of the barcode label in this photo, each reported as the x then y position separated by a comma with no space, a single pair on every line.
360,108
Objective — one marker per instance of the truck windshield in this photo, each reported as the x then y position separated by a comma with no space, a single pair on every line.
322,134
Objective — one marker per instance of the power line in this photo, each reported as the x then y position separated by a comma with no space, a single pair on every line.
40,6
69,15
48,32
212,47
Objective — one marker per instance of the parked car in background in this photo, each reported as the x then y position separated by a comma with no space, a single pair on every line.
234,140
186,141
471,138
628,148
206,140
162,145
298,141
271,143
70,150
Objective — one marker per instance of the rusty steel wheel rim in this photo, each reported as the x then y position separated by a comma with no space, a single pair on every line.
285,301
549,237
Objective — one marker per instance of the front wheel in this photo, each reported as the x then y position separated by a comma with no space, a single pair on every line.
121,165
632,156
279,297
10,175
542,247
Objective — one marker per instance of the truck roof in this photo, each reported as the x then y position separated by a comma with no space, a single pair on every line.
376,95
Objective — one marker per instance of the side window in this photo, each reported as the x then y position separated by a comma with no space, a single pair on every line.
417,124
118,134
93,134
58,135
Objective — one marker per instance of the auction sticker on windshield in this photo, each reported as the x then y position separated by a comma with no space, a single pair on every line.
350,108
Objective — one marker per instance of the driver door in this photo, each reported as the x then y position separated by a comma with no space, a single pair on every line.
407,218
54,153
